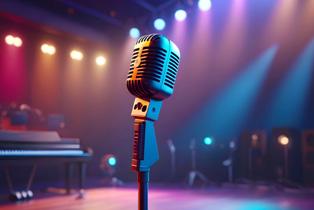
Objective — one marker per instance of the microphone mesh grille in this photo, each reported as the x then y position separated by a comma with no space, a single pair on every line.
134,56
172,70
147,38
152,62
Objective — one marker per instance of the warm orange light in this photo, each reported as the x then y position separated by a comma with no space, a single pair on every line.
12,40
100,60
283,140
48,49
76,55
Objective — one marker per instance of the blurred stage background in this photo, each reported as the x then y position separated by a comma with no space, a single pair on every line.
246,73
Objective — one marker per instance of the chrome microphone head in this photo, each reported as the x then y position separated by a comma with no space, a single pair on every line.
154,66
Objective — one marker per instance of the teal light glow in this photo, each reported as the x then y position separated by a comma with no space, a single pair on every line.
159,24
231,108
134,33
112,161
289,100
208,140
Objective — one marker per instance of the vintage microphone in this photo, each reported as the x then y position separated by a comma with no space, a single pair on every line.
151,79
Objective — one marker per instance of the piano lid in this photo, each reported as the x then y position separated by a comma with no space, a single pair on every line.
29,136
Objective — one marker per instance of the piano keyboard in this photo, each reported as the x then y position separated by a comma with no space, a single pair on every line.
41,152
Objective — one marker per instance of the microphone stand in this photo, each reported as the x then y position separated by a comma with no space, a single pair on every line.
145,150
172,149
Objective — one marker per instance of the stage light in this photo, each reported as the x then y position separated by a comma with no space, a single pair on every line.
159,24
9,39
48,49
134,33
283,140
204,5
112,161
180,15
100,60
12,40
208,140
108,165
254,142
18,42
76,55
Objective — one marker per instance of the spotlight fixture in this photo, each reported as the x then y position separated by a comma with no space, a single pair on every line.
100,60
108,165
13,40
180,15
204,5
48,49
112,161
208,141
9,39
76,55
283,140
159,24
18,42
255,140
134,33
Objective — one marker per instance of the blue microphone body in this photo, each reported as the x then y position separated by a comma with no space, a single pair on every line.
151,78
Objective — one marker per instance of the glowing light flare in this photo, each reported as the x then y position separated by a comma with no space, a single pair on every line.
48,49
9,39
100,60
283,140
208,140
18,42
254,141
76,55
134,33
204,5
13,40
112,161
180,15
159,24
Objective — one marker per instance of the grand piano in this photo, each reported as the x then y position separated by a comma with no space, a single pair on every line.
40,147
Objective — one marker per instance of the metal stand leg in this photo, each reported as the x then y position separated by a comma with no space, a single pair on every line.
68,176
193,175
31,178
24,194
82,174
8,179
143,179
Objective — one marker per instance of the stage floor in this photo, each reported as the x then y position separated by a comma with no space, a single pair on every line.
172,199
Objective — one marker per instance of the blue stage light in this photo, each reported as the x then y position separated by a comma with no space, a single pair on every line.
112,161
180,15
134,33
159,24
204,5
208,140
